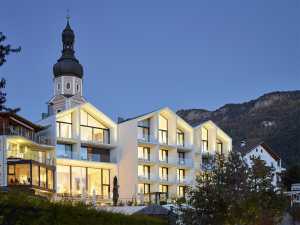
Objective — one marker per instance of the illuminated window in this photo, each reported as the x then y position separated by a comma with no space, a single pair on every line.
94,182
163,173
219,147
144,153
180,137
64,126
181,191
163,130
144,130
163,188
144,188
63,179
35,175
204,135
163,155
180,175
78,180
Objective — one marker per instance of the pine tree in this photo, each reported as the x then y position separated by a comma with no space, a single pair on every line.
115,191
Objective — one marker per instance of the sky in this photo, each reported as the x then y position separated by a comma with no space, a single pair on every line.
142,55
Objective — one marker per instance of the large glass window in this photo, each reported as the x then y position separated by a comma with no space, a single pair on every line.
64,151
94,182
78,180
63,179
204,135
43,177
19,174
93,130
144,130
94,154
180,137
105,183
163,155
144,153
163,130
50,179
64,126
35,175
163,173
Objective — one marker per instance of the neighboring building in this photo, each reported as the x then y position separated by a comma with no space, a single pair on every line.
27,155
295,194
264,152
160,152
155,156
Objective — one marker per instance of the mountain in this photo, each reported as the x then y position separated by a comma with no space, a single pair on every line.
273,118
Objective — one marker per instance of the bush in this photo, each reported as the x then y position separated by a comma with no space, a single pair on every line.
24,209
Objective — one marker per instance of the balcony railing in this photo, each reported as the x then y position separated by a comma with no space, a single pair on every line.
91,157
145,159
185,162
96,135
147,177
29,156
184,180
11,131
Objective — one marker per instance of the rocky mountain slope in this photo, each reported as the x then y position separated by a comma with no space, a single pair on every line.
273,117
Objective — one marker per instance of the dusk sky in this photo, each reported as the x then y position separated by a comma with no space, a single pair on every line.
142,55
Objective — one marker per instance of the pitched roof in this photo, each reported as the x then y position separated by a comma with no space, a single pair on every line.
249,147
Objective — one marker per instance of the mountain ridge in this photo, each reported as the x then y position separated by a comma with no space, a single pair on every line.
273,117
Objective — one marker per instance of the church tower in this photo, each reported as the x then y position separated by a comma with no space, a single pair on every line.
68,75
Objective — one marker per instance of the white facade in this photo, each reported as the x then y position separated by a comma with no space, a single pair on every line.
160,152
86,152
263,152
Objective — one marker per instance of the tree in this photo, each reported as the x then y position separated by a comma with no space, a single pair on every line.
231,193
115,191
4,51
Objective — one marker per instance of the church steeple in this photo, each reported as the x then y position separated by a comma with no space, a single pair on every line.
68,74
67,64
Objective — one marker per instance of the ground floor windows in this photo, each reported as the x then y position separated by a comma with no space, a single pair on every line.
81,180
181,191
30,173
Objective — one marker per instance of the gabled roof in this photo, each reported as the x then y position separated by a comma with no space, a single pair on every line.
248,148
213,124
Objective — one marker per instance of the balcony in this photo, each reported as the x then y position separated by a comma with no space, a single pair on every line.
34,137
31,156
95,135
166,179
184,180
188,162
147,177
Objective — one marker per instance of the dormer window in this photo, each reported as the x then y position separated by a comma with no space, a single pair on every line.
219,147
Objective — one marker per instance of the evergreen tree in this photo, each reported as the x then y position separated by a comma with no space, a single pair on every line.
115,191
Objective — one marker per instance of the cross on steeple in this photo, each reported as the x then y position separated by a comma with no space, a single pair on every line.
68,15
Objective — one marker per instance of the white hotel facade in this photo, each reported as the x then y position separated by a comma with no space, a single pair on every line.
154,154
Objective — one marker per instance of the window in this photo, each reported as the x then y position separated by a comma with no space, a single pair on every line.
83,153
94,182
105,183
50,179
163,188
181,191
163,155
64,127
144,130
63,179
20,175
93,130
58,86
204,135
143,188
163,173
180,175
68,85
78,180
181,158
94,154
219,147
144,171
144,153
163,130
64,151
43,177
35,175
77,87
180,137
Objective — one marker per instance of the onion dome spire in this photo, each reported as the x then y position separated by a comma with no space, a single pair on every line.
67,64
